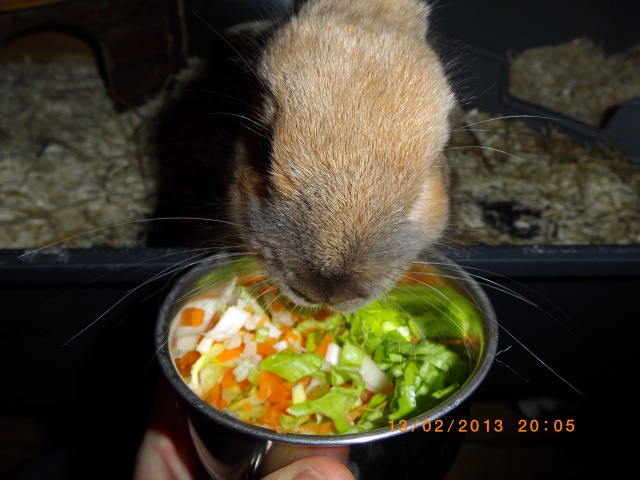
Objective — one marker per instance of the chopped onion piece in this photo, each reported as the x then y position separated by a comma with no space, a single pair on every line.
242,370
236,340
281,345
250,346
230,323
274,332
205,344
283,316
333,354
298,395
314,383
252,322
185,343
374,379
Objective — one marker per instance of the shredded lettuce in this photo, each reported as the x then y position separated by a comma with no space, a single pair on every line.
292,367
334,404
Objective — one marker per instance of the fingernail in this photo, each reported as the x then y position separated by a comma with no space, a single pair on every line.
308,474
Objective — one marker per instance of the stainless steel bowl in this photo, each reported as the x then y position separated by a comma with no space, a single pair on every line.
231,449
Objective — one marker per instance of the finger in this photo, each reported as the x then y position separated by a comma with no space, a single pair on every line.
313,468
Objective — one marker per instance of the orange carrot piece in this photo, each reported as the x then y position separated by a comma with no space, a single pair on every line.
366,395
281,392
265,383
246,406
356,412
325,428
327,338
266,348
192,317
285,328
388,388
184,363
228,379
281,406
230,353
291,337
272,416
214,395
274,388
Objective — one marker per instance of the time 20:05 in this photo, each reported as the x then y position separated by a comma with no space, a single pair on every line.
533,425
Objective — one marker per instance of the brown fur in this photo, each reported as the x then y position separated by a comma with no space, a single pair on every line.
356,187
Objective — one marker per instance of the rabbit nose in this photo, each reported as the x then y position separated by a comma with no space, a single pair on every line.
327,290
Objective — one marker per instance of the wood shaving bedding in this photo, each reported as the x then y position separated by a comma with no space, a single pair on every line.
577,79
68,163
517,185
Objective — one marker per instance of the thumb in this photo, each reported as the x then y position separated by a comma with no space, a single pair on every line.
313,468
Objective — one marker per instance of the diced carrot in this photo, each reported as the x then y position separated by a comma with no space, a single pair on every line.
281,392
272,416
292,338
246,406
263,321
326,428
281,406
274,388
230,353
192,317
228,379
265,384
285,328
223,404
213,395
366,395
356,412
388,388
327,338
266,348
184,363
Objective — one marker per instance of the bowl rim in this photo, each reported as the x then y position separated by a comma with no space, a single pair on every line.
462,395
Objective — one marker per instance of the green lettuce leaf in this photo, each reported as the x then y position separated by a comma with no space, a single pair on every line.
292,367
335,405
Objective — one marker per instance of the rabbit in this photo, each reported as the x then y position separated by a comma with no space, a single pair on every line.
343,182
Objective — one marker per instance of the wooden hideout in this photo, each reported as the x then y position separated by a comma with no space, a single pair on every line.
137,45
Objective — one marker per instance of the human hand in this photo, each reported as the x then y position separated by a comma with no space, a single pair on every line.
167,453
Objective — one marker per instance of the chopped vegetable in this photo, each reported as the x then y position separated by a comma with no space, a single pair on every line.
244,348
